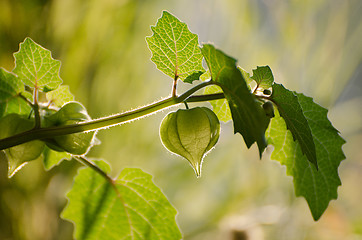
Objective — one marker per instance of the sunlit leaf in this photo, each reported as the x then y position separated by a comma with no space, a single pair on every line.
133,208
263,77
175,50
53,158
220,106
318,187
246,77
10,85
60,96
248,117
291,111
10,99
35,66
17,105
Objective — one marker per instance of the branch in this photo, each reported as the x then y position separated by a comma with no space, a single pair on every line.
50,132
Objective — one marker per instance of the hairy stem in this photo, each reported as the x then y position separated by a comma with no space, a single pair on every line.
88,163
50,132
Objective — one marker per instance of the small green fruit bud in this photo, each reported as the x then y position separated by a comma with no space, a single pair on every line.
18,155
266,92
269,109
76,143
190,133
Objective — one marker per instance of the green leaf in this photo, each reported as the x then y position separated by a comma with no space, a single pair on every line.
248,116
35,66
220,106
246,77
10,89
16,105
263,77
137,209
10,85
175,49
19,155
291,111
317,187
53,158
60,96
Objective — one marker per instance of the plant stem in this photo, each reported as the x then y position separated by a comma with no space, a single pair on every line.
36,109
174,86
88,163
206,97
51,132
264,97
25,99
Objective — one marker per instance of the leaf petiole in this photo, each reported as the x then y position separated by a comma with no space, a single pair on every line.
174,86
98,170
90,164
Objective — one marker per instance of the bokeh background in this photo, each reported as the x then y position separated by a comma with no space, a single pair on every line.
312,46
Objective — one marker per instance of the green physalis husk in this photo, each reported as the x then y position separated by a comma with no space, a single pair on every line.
190,133
76,143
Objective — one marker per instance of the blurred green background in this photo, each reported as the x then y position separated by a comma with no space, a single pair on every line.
312,46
